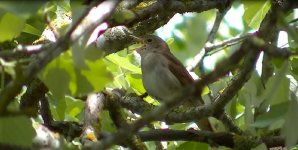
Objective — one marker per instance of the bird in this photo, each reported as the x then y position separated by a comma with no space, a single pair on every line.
163,74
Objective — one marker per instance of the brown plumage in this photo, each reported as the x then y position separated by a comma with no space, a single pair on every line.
163,74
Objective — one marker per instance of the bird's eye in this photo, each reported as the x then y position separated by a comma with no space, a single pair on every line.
149,40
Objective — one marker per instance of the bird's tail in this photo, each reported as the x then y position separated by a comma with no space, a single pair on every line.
204,123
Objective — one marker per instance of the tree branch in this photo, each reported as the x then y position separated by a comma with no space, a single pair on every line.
50,51
220,138
219,16
92,110
148,19
34,93
132,141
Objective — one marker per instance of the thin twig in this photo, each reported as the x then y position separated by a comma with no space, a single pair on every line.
227,43
219,16
207,50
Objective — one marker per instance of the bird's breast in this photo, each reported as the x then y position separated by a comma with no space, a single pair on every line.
158,80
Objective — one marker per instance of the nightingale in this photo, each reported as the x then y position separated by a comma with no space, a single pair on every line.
163,74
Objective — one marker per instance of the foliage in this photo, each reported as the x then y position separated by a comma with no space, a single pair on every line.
265,106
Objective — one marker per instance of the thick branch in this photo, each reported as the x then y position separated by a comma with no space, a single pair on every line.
116,115
220,138
150,18
92,125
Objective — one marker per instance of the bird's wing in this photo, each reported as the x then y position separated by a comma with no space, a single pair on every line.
185,78
180,72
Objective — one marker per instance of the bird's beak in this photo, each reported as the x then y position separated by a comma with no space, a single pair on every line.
139,44
137,39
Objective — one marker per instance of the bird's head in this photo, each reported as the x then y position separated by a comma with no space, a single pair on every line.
151,43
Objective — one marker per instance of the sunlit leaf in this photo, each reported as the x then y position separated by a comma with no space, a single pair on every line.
31,30
180,126
60,108
97,75
69,80
124,63
255,12
16,131
205,91
135,81
170,41
73,108
10,26
57,80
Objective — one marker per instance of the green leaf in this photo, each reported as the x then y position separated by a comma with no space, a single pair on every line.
107,123
16,131
248,114
77,9
170,41
294,65
291,122
10,26
97,74
193,145
22,8
292,43
73,108
180,126
135,82
60,108
260,147
277,112
92,53
31,30
57,107
63,78
124,63
232,108
78,52
205,91
255,12
277,88
57,80
278,62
